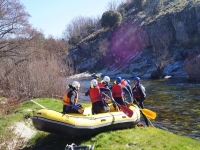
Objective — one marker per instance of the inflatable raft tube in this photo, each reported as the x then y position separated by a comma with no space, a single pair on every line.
76,125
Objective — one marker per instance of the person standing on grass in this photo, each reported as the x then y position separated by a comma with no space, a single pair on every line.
139,96
70,99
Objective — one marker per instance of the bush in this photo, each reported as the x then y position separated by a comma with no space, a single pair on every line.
37,74
111,18
137,4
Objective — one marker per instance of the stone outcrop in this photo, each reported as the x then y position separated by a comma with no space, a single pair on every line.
145,41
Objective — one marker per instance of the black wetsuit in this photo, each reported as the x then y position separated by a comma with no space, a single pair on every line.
141,100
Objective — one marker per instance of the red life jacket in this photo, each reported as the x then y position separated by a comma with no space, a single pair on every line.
117,90
67,101
124,82
101,84
95,94
136,92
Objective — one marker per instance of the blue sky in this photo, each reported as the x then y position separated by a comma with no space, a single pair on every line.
52,16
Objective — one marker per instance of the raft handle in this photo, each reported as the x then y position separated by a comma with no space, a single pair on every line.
103,120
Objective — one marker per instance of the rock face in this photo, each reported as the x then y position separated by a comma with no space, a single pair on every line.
156,38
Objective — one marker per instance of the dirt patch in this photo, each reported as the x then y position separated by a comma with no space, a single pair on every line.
23,133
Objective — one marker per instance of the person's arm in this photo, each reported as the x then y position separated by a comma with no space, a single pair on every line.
142,93
129,89
126,91
73,96
87,93
75,107
107,91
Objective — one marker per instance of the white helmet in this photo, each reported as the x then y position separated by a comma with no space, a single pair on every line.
94,83
76,84
106,79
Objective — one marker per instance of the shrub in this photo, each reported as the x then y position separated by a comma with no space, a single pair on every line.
137,4
36,72
111,18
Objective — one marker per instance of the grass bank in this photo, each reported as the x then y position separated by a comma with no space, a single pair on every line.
136,138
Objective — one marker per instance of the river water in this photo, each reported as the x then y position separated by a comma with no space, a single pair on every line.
176,102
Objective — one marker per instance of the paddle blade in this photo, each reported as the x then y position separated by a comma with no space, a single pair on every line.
148,113
126,110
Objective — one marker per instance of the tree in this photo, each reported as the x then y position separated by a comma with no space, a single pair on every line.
112,5
111,18
78,29
14,27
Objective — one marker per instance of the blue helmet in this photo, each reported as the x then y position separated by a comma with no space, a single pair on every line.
118,79
137,79
129,82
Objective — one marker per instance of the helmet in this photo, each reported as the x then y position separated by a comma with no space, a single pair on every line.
106,79
76,84
137,79
118,79
124,82
94,83
129,82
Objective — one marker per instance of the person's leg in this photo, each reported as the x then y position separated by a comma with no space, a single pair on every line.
119,101
145,118
71,110
105,109
64,109
95,108
102,107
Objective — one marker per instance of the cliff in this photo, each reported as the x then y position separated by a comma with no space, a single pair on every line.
153,40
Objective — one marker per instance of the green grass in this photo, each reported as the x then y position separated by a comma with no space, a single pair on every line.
136,138
24,111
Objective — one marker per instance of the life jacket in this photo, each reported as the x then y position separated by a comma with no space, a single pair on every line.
124,82
117,90
95,94
136,92
101,84
67,100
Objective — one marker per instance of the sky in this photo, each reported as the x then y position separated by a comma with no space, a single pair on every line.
53,16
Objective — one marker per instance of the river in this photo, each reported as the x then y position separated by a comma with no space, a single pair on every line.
176,102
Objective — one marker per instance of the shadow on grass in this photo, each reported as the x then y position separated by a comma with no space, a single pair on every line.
55,142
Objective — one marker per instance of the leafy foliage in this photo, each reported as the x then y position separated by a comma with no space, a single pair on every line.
111,18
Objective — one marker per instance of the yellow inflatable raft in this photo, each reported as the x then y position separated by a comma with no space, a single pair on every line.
75,125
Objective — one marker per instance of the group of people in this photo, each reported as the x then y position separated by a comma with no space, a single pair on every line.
99,92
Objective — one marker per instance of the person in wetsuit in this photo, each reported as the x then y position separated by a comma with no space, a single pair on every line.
70,99
139,96
97,99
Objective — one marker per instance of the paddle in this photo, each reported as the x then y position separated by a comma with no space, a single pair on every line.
148,113
125,109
